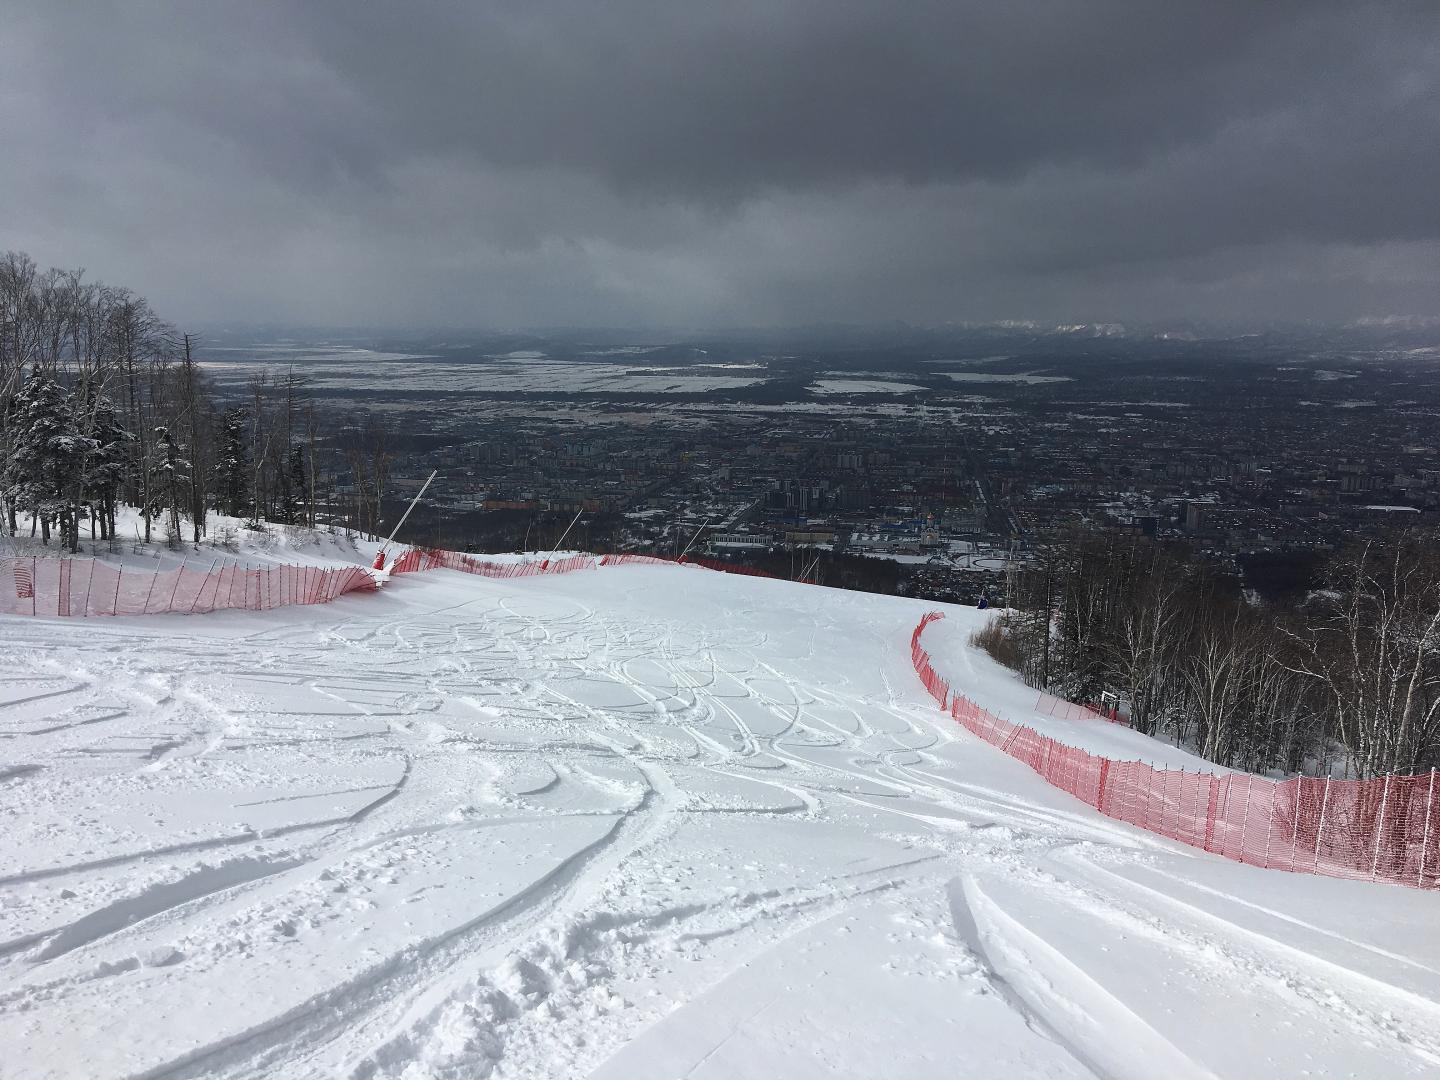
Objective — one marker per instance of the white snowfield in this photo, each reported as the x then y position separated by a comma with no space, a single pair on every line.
636,823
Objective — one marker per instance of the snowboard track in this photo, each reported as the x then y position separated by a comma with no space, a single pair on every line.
377,761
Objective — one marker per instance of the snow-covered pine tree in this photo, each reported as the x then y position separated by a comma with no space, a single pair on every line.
108,464
42,474
296,495
169,478
232,463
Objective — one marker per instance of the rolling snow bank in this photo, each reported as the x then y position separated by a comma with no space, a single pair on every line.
1386,829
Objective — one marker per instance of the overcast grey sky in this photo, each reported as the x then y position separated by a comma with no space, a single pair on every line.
608,162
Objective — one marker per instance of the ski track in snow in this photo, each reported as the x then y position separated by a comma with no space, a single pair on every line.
637,823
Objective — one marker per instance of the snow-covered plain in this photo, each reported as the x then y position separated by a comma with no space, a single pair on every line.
1004,377
342,368
634,823
862,386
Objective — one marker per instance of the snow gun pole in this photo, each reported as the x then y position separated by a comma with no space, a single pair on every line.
812,565
403,517
694,538
562,536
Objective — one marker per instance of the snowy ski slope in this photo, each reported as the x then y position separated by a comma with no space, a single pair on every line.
635,823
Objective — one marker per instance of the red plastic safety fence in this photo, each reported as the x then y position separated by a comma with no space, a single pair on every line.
689,560
1386,829
1051,705
416,560
939,689
84,587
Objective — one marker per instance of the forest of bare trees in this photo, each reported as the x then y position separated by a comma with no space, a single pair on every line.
1349,675
102,404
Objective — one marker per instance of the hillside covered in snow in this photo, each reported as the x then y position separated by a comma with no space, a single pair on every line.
631,823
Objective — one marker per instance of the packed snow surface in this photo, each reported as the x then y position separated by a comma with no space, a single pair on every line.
634,823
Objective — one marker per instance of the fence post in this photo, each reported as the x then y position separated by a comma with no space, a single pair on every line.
1425,843
154,578
1104,777
115,605
201,591
1245,818
1295,824
89,581
1210,811
1174,833
1149,791
1380,828
179,577
1320,828
1269,818
35,581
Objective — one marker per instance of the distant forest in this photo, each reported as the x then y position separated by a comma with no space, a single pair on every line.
1348,673
102,404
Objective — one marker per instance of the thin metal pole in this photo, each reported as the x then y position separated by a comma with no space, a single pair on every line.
1269,818
178,578
1320,828
1295,820
1380,828
405,515
565,534
91,579
1425,843
156,577
201,591
694,538
1149,792
1245,819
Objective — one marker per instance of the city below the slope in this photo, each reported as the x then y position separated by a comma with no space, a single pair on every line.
899,460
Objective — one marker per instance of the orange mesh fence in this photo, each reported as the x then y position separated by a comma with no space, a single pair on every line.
83,587
689,560
64,587
1051,705
419,559
1385,829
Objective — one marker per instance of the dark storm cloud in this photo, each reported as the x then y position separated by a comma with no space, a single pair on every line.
776,161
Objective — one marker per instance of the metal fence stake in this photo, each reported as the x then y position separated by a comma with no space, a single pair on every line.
1269,818
1380,828
1295,816
1425,843
1320,828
